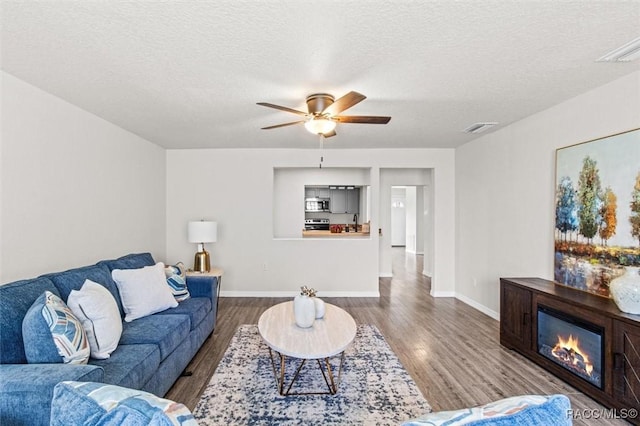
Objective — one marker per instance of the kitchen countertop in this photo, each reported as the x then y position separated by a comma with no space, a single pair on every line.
329,234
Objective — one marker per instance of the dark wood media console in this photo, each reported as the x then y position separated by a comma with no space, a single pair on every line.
519,301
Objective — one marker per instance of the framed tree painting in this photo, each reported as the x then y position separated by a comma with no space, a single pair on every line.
597,211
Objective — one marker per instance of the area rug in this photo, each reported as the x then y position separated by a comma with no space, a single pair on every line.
374,387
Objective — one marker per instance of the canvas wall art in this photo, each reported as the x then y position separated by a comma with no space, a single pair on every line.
597,211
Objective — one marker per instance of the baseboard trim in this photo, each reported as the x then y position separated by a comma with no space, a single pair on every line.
385,275
478,306
443,294
292,294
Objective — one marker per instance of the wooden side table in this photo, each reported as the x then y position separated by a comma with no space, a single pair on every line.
213,273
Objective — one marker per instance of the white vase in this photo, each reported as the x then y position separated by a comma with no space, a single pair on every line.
304,310
319,307
625,291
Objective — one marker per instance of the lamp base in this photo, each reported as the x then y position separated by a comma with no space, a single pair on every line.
202,262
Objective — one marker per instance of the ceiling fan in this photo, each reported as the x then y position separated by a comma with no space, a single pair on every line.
323,110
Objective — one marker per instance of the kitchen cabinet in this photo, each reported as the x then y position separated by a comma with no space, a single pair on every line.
353,200
316,192
345,200
338,202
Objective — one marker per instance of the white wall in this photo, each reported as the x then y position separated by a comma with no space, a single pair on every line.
399,215
427,223
75,189
505,188
240,185
414,219
420,231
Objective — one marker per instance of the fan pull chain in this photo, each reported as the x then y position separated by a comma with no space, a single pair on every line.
321,148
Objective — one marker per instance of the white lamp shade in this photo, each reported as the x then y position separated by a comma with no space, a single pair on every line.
202,232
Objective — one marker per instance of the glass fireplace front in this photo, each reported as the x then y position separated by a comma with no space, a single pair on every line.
571,343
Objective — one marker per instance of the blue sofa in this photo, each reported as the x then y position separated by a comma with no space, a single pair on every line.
152,353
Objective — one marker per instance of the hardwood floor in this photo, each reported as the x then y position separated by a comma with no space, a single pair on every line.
451,350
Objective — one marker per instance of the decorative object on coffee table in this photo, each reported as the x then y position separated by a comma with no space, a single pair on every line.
304,309
319,303
625,290
375,389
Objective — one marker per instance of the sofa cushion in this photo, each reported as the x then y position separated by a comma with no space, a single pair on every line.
196,308
52,334
98,404
130,261
130,365
26,389
165,331
15,300
98,311
143,291
73,279
523,410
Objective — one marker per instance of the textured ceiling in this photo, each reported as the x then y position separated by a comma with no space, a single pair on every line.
188,74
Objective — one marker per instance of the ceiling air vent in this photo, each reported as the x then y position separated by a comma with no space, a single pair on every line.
626,53
479,127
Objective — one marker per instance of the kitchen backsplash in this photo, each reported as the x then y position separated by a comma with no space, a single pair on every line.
336,218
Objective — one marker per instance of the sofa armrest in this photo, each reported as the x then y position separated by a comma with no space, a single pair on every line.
109,405
26,390
203,286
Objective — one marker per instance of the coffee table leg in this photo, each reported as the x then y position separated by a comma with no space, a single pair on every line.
332,384
279,383
295,377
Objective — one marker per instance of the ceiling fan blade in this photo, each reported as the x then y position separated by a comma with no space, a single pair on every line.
347,101
364,119
283,125
282,108
329,134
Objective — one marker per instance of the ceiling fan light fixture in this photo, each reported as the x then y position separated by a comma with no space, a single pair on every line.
319,126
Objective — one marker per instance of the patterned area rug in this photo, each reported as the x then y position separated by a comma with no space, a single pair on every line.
374,389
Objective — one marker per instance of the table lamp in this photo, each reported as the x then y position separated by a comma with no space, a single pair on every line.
202,232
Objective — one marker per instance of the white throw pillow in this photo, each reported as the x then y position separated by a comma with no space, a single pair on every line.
143,291
98,312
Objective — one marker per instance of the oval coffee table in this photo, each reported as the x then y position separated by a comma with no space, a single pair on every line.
328,337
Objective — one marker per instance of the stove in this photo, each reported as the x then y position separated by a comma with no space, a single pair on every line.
316,224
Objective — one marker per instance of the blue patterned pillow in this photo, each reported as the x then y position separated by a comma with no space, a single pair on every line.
176,279
106,405
521,410
52,334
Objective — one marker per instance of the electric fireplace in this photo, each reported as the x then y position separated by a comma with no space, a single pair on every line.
572,343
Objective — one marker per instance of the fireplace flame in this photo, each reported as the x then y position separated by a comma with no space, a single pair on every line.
569,352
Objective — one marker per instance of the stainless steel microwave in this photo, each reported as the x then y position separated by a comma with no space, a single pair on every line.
316,205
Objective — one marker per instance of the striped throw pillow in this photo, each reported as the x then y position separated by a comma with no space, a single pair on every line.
176,280
66,330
